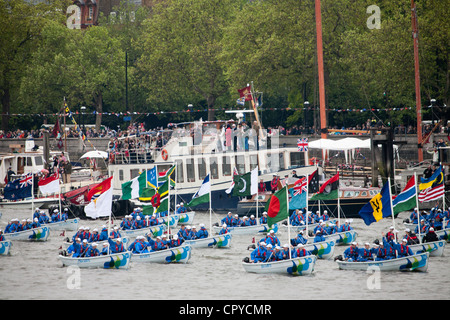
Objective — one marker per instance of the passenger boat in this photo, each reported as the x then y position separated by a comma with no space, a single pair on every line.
194,158
435,248
36,234
180,254
217,241
111,261
5,246
295,266
417,262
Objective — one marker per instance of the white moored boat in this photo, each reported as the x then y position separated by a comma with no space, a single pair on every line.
35,234
5,246
295,266
112,261
180,254
156,231
342,238
418,262
323,250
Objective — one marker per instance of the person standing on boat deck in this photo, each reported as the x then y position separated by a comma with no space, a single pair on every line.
224,229
403,250
352,252
301,251
430,236
75,248
202,233
261,186
263,219
228,136
274,183
92,251
9,174
115,246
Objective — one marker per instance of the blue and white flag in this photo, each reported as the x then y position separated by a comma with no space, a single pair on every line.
19,188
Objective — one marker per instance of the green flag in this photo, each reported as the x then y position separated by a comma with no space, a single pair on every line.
147,194
277,208
246,184
131,189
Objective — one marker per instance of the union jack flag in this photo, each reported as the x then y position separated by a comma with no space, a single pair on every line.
300,186
302,144
26,180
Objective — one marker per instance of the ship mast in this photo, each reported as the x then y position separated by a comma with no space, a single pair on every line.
415,34
323,114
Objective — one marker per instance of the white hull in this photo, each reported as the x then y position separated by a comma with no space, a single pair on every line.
436,249
310,226
26,203
69,225
5,246
296,266
185,218
35,234
443,234
417,262
343,238
113,261
260,228
221,241
155,231
323,250
125,242
180,254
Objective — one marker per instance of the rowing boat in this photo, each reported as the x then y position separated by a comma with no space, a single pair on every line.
418,262
443,234
156,231
35,234
218,241
69,225
111,261
299,266
310,226
342,238
323,249
180,254
435,248
185,218
5,246
259,228
100,244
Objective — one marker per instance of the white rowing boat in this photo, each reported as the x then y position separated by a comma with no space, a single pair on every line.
111,261
435,248
156,231
35,234
342,238
418,262
69,224
323,249
259,228
310,226
218,241
100,244
5,246
185,218
180,254
443,234
299,266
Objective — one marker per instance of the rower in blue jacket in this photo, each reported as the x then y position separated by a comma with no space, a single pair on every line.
299,239
55,217
413,218
263,219
228,220
75,248
84,248
352,252
259,254
104,234
403,250
272,239
92,251
35,223
116,245
43,218
175,241
202,233
301,251
224,229
365,254
65,214
319,237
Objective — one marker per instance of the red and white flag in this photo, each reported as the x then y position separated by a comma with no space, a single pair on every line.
100,198
50,184
235,172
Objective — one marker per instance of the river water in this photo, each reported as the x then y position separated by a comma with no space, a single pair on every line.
33,271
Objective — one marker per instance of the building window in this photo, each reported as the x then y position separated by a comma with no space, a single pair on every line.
91,12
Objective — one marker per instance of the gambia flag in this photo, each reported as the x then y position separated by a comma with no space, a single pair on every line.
406,200
277,207
329,190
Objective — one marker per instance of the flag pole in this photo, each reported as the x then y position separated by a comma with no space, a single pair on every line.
32,194
390,203
417,206
210,210
289,224
339,201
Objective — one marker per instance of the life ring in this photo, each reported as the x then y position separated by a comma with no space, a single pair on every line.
164,154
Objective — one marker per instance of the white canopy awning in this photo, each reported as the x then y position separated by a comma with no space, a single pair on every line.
345,144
